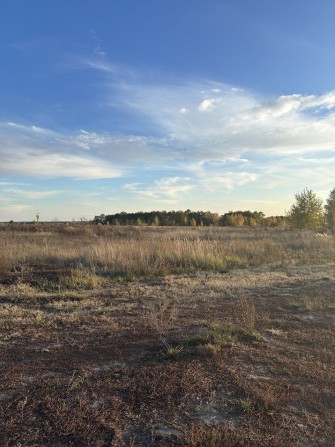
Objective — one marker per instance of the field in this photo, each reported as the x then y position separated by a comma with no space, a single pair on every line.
145,336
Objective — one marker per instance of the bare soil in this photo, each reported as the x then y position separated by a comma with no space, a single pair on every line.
241,357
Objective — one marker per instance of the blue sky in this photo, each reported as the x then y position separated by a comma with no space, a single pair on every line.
157,105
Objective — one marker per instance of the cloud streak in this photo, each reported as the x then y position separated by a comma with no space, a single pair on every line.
168,189
30,195
185,122
31,151
223,121
200,139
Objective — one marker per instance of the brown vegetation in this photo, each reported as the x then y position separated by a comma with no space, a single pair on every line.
143,336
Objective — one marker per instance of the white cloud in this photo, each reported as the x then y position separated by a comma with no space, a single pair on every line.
201,137
233,179
17,211
169,188
239,122
87,140
33,195
215,175
51,165
12,184
289,104
31,151
207,105
324,161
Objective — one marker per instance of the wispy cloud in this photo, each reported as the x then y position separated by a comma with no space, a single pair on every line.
218,120
17,210
31,151
233,121
12,184
32,195
185,121
168,189
199,137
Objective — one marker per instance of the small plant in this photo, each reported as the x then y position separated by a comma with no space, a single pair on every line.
233,261
255,335
209,349
223,335
245,405
277,332
173,352
307,304
162,316
312,304
212,340
81,278
244,314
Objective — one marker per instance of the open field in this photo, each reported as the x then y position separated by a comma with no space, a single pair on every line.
144,336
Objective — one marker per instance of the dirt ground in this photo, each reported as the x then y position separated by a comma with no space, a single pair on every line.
242,358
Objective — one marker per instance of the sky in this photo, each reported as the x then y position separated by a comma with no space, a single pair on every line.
128,105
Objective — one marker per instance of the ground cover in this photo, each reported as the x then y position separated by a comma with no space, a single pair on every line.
105,341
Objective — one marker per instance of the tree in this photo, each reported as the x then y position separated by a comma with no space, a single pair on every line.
235,220
270,221
155,221
193,222
307,211
330,211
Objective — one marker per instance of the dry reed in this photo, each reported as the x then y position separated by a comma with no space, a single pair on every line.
156,251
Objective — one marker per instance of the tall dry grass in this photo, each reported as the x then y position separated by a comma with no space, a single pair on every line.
149,251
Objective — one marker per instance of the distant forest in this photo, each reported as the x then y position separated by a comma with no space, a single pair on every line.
190,218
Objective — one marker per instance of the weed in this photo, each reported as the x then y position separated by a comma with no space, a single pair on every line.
245,405
212,340
209,349
223,335
80,278
307,304
277,332
313,304
244,314
218,336
161,316
234,261
255,335
173,352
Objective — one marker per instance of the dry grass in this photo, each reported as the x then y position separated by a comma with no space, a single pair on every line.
148,252
221,338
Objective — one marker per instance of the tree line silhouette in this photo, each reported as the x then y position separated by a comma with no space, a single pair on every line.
190,218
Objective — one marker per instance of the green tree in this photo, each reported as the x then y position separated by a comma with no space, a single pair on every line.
330,210
307,211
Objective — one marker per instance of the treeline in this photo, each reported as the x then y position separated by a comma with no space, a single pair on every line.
308,212
190,218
